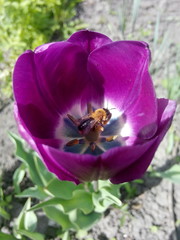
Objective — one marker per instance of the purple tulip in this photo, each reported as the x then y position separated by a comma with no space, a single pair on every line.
60,89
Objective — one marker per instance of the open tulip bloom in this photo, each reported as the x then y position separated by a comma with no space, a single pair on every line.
88,107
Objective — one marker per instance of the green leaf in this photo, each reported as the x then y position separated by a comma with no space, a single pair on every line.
140,181
103,183
80,200
61,189
81,234
85,221
114,189
55,213
34,192
18,177
1,192
50,202
38,172
5,236
98,203
31,235
26,220
44,174
172,174
20,151
30,221
27,158
66,236
103,199
4,214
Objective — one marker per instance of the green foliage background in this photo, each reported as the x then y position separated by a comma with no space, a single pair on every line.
26,24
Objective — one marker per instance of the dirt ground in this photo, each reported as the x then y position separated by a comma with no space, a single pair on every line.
155,213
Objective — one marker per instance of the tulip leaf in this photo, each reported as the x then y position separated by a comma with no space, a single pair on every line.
50,202
103,183
81,234
61,189
31,235
20,220
65,236
4,214
81,200
27,158
26,220
103,199
30,221
55,213
110,197
114,189
44,174
34,192
38,172
5,236
18,177
172,174
85,221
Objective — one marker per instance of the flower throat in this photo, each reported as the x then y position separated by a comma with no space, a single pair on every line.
91,126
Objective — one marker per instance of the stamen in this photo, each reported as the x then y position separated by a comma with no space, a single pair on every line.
97,131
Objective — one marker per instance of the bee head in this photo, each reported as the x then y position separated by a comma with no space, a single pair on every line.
108,114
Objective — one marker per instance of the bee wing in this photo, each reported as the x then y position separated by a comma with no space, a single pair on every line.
86,125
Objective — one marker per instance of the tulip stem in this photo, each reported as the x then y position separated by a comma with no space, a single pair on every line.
96,186
86,187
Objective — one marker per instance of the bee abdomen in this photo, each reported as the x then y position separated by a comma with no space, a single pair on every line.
85,123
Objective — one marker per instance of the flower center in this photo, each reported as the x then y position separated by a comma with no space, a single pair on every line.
93,133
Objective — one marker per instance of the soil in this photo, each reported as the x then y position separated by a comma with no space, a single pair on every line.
154,214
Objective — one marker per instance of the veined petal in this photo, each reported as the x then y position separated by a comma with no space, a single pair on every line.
82,167
27,135
119,65
63,77
123,157
123,69
39,118
51,162
166,110
89,40
142,116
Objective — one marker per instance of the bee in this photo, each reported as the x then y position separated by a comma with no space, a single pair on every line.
91,125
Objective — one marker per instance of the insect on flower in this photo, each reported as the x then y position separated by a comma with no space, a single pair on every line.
91,125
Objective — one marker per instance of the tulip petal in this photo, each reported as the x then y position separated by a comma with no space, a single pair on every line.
83,167
89,40
166,110
36,115
50,158
86,167
32,140
123,69
142,117
63,77
123,157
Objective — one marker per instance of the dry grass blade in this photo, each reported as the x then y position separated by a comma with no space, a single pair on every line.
135,12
